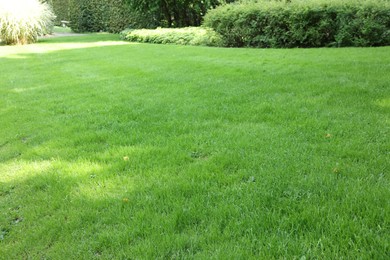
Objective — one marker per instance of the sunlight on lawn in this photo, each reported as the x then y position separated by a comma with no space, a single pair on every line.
383,102
20,170
16,56
21,90
87,175
115,188
16,52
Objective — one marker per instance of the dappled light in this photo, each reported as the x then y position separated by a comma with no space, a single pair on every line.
20,170
15,56
385,103
17,171
26,89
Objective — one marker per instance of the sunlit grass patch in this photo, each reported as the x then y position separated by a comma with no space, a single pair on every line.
61,29
385,103
19,51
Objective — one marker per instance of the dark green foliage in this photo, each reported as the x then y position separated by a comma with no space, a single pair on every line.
61,10
116,15
181,36
315,23
99,15
172,13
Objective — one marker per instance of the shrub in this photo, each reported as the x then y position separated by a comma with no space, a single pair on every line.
22,21
172,13
299,23
116,15
182,36
61,10
99,15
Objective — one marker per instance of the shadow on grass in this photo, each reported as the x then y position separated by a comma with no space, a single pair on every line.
84,209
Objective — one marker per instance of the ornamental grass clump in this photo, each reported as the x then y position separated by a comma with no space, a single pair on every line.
22,21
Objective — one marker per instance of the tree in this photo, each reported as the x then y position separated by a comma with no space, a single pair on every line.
61,9
116,15
175,13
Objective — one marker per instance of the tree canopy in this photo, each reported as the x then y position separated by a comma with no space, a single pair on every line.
113,15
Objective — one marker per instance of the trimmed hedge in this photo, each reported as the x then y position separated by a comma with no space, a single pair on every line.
181,36
310,23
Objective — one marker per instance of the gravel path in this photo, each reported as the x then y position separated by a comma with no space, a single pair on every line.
61,35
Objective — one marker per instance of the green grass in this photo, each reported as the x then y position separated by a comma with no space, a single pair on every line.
118,150
60,29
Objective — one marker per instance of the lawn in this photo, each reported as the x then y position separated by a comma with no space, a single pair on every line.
60,29
120,150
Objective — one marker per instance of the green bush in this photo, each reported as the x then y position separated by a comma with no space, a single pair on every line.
182,36
22,21
116,15
99,15
61,9
171,13
299,23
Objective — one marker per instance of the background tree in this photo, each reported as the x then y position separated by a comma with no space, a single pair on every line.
61,8
116,15
175,13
